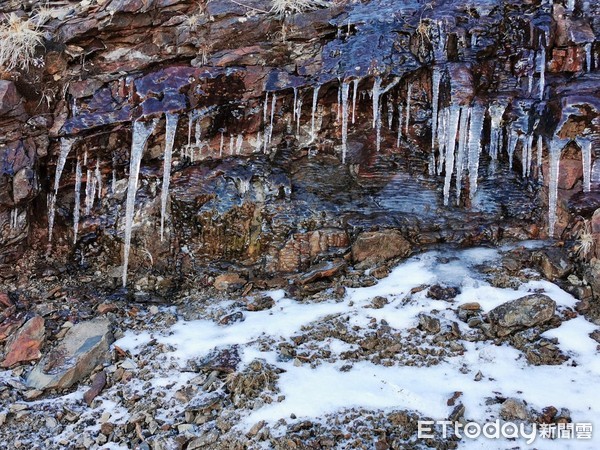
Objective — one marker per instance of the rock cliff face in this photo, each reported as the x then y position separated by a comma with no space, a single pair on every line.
272,141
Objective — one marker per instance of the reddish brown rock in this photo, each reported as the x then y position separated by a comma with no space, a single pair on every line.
5,300
104,308
570,172
228,281
379,246
9,326
326,269
23,184
10,99
97,386
25,345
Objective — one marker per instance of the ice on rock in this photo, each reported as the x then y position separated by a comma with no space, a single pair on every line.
141,134
170,132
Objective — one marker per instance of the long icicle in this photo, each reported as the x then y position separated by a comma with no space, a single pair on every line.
586,160
462,147
66,144
141,133
450,138
556,147
354,95
77,205
475,131
408,100
315,100
171,129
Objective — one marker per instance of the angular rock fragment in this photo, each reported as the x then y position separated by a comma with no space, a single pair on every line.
84,347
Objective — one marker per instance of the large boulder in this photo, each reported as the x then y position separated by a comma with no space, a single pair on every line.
524,312
83,348
378,246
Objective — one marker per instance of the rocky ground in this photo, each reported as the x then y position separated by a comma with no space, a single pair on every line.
462,335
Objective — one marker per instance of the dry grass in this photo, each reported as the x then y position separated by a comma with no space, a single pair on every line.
585,242
288,7
18,41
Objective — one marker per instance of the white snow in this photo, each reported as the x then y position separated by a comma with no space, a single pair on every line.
315,392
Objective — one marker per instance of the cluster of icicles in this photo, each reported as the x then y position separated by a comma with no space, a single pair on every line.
456,147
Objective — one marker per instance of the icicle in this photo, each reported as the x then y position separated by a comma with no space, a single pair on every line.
556,147
528,143
198,132
294,107
65,147
542,67
378,130
540,148
530,71
496,111
442,130
588,56
113,185
435,97
238,144
586,161
191,116
376,93
14,218
77,204
222,143
475,131
462,146
339,103
450,138
266,108
390,112
171,129
298,115
98,177
570,5
354,95
141,133
408,100
273,103
85,158
345,90
90,192
313,113
513,139
231,144
399,136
